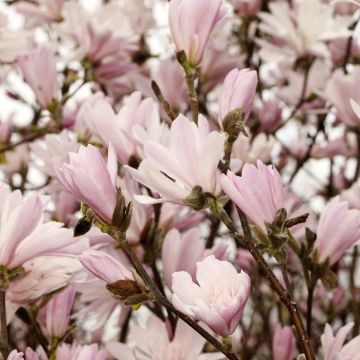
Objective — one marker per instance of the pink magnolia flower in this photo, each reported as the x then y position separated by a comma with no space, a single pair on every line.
270,115
121,129
152,342
48,10
218,299
39,70
90,179
190,160
81,352
24,236
104,266
30,354
333,346
335,237
238,92
181,252
339,89
15,355
258,192
57,312
5,131
191,23
283,343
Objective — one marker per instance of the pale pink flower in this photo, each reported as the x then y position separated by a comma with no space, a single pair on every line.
339,90
104,266
15,355
302,33
57,312
90,179
24,236
338,230
170,78
46,274
258,192
331,148
122,129
333,346
39,70
238,92
152,342
246,7
53,150
16,160
191,23
283,343
48,10
81,352
218,299
181,252
190,160
270,115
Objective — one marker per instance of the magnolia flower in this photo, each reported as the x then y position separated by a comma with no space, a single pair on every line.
181,252
104,266
39,70
302,33
238,92
339,90
333,346
270,116
191,23
48,10
90,179
24,236
190,160
338,230
153,342
219,297
258,192
119,128
283,343
57,312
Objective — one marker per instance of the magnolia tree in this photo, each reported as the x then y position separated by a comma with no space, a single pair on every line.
180,180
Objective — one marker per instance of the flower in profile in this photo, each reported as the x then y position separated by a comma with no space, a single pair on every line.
283,343
333,346
218,298
39,70
337,232
24,235
342,91
91,180
191,160
191,23
237,93
258,192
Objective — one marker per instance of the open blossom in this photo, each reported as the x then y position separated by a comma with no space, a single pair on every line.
39,70
119,128
24,236
181,252
219,297
339,90
81,352
283,343
258,192
302,33
90,179
338,230
238,92
333,346
104,266
190,160
152,342
191,23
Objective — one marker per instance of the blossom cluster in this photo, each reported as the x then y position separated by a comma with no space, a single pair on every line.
179,180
